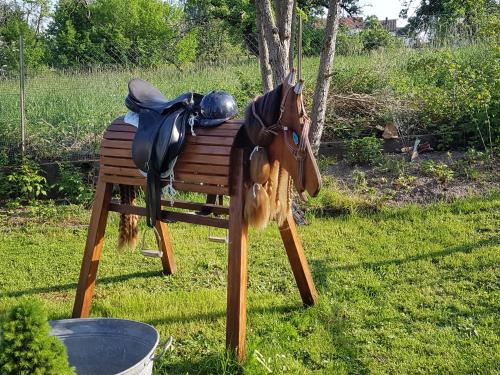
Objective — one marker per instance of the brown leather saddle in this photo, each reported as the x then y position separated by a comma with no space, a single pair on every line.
161,131
160,136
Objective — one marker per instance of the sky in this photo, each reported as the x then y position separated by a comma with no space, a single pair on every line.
384,8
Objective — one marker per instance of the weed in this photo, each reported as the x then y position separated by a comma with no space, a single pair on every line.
404,182
324,162
474,156
466,170
43,211
392,165
441,171
360,181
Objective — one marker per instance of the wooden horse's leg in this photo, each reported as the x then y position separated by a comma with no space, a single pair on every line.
237,265
93,247
167,260
298,261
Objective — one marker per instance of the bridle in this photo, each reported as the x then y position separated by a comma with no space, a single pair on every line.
298,150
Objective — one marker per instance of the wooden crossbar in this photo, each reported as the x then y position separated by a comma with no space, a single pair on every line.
171,216
195,206
216,209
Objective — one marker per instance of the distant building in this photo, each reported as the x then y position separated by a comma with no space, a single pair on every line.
390,25
354,24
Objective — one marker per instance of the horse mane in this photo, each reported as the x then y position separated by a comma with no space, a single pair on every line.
267,107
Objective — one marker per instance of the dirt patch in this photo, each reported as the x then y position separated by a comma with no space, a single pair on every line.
435,176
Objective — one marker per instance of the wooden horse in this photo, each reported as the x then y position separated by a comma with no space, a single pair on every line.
214,162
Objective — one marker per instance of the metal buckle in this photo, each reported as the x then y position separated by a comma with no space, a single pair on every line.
152,253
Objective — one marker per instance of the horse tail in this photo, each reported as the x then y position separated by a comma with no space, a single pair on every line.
128,223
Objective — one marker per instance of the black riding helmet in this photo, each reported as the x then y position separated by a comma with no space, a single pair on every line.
216,107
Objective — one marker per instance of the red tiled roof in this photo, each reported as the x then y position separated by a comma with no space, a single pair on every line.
352,22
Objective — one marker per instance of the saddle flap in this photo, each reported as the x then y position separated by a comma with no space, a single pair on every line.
144,139
170,140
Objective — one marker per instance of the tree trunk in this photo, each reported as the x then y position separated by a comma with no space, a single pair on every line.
277,35
265,69
324,75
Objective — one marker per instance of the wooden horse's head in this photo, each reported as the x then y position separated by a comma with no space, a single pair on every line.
278,121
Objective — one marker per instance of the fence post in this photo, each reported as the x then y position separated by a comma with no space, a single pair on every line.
21,95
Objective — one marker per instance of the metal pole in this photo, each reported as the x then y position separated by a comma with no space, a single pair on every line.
299,51
21,95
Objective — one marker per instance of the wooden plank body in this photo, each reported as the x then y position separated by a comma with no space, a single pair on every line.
202,167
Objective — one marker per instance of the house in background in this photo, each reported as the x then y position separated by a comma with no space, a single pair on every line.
390,25
356,24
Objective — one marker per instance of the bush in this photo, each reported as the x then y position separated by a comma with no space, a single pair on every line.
26,347
348,43
312,39
134,32
215,44
453,94
249,87
374,36
23,183
71,186
366,150
11,28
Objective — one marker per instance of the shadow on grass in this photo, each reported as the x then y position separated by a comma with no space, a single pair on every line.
72,286
322,268
214,315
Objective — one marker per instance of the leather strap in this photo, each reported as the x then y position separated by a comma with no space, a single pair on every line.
153,196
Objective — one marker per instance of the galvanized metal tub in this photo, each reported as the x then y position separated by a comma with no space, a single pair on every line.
106,346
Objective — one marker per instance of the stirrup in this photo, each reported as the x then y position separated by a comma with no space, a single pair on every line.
152,253
218,239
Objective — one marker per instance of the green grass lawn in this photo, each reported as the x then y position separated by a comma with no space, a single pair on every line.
402,291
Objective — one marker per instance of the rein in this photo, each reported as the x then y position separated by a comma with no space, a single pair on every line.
298,151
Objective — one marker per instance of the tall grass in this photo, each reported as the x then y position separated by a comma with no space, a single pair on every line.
67,111
70,111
